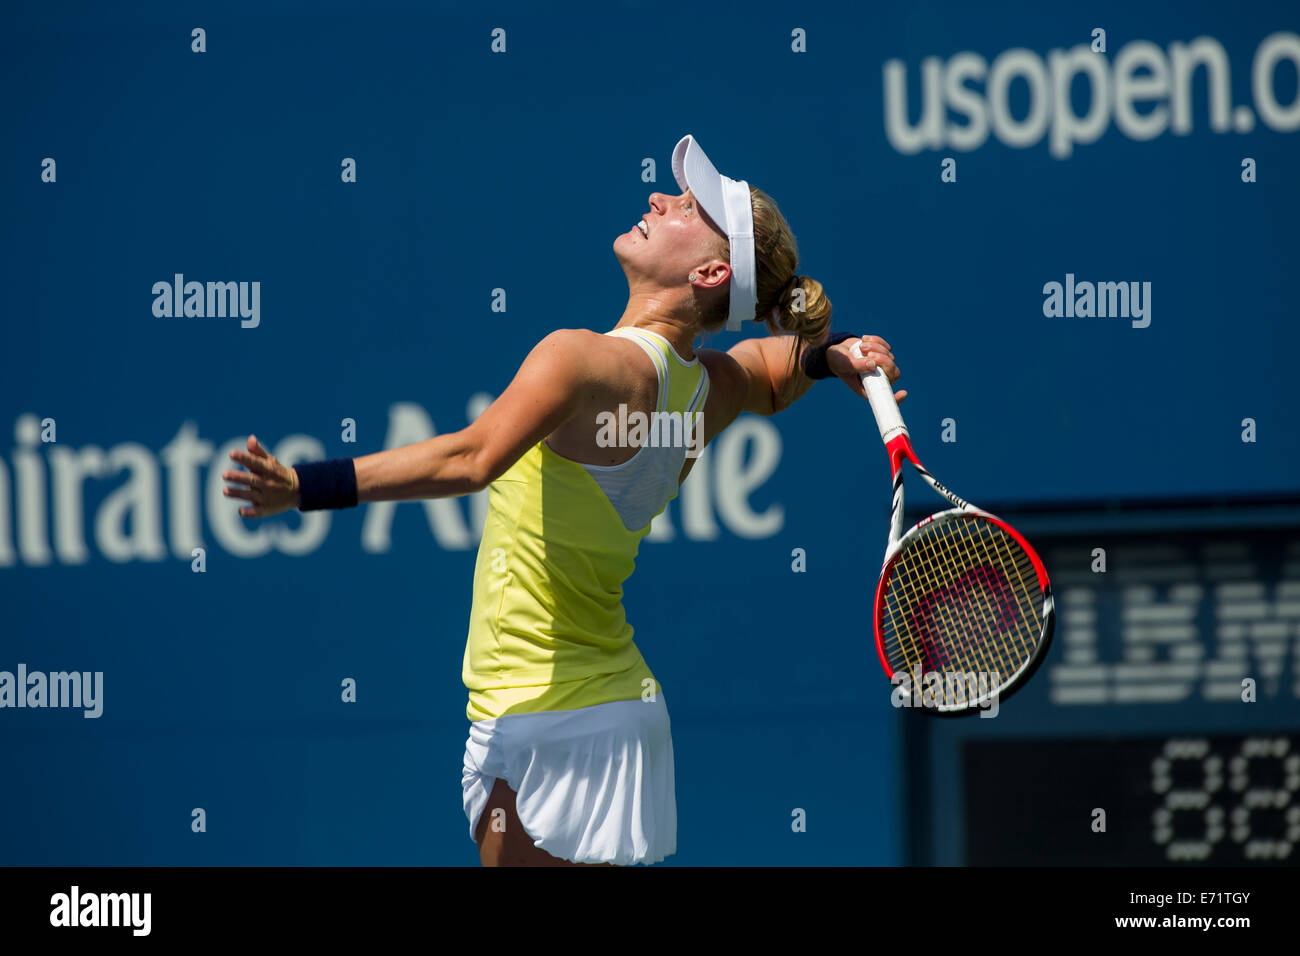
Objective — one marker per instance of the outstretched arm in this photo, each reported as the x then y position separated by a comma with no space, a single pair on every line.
544,395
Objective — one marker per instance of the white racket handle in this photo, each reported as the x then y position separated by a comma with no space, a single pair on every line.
881,395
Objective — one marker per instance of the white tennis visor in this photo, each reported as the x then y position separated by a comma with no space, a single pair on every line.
727,203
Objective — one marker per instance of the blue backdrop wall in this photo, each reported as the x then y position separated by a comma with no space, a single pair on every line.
941,167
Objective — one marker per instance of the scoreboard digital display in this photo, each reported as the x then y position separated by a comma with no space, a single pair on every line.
1221,801
1163,729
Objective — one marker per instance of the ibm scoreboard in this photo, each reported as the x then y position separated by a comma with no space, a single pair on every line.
1164,726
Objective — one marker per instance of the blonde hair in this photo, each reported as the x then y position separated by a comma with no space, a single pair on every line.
789,303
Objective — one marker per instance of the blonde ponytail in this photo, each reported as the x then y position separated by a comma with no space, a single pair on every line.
787,303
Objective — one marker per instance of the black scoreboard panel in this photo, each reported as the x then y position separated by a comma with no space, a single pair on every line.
1163,727
1216,800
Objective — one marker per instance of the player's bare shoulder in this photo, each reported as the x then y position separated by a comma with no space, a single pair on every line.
572,345
590,359
620,367
614,369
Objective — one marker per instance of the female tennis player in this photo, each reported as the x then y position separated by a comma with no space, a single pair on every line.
569,758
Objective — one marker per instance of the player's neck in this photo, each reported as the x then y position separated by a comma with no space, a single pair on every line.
654,314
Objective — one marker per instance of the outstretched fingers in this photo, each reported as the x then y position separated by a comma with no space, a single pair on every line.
249,485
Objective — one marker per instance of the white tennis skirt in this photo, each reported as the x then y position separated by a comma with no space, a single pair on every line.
594,785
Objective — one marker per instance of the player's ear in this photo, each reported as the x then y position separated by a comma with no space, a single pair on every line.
711,274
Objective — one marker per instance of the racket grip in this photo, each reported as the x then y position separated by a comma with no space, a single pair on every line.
881,395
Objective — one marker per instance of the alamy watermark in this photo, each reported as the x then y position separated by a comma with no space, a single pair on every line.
651,429
1102,300
946,689
213,300
77,909
83,690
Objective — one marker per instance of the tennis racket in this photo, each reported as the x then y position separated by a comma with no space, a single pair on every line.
962,595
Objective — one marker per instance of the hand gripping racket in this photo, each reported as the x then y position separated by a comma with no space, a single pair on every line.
964,611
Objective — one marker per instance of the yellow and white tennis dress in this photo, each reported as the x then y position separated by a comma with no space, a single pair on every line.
561,704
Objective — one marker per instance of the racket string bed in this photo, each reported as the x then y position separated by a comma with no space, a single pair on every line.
960,578
941,567
973,536
933,583
926,580
1003,544
915,580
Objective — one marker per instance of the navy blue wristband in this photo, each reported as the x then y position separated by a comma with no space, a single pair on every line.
327,484
813,360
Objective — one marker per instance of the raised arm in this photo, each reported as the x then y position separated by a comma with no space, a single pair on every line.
754,373
545,393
